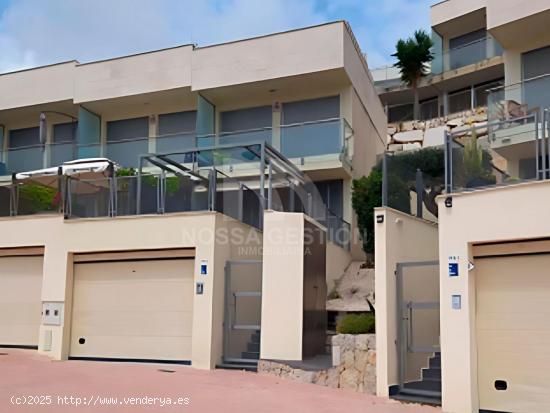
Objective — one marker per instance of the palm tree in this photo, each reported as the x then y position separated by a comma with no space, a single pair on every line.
413,56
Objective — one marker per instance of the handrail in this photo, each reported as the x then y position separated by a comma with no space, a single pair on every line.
504,87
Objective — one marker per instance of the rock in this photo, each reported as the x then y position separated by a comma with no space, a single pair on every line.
361,360
395,147
406,126
455,122
420,125
333,378
336,355
362,342
303,376
371,357
391,129
349,379
412,146
409,136
348,359
434,136
372,341
388,139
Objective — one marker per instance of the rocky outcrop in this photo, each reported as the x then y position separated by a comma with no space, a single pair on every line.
412,135
354,365
354,290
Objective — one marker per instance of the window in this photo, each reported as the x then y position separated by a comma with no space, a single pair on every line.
246,119
480,92
125,129
64,132
24,137
332,194
468,49
400,113
535,92
429,109
311,110
179,122
460,100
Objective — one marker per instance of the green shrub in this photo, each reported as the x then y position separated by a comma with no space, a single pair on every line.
356,324
34,198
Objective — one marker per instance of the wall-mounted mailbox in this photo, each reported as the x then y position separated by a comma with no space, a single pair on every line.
52,313
200,288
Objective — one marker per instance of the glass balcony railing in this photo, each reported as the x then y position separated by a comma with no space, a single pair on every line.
466,55
298,141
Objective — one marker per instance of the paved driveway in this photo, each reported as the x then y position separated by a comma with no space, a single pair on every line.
85,386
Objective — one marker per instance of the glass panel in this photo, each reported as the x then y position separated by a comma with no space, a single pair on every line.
177,142
245,137
311,110
508,155
186,194
460,101
401,113
312,139
429,109
62,152
35,198
126,195
412,174
465,53
127,153
25,159
89,198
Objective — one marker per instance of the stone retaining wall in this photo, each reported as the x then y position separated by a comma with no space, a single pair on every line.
354,365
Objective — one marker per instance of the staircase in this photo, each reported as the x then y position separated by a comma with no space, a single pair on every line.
430,382
252,353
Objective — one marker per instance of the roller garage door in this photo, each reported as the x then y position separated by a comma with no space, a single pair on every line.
513,332
133,309
20,301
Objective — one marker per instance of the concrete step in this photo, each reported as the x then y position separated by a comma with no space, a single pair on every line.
238,366
252,355
404,397
431,374
435,362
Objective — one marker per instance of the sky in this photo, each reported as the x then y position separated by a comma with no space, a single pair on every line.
39,32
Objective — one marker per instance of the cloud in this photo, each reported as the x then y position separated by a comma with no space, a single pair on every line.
36,32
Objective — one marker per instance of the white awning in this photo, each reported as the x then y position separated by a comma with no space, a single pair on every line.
86,166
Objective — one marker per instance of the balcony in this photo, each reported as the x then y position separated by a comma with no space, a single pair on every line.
468,54
239,181
307,143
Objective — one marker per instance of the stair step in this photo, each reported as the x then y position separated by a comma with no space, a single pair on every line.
250,346
238,366
431,374
430,385
435,362
416,399
252,355
255,337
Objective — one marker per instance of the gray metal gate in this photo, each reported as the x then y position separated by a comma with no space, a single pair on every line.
243,306
419,362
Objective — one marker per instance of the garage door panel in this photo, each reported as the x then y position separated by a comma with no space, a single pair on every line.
20,300
155,323
132,347
513,332
133,309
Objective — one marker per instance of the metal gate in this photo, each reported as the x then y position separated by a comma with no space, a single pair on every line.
419,357
243,306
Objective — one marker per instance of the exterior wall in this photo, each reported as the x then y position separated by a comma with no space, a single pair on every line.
502,12
491,215
269,57
337,261
142,73
62,239
401,237
282,288
35,86
451,9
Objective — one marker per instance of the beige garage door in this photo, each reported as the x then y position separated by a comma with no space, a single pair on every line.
20,301
133,310
513,333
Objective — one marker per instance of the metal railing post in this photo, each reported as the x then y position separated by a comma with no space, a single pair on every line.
448,155
212,189
240,203
270,186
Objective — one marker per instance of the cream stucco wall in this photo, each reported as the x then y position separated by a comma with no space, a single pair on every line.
62,239
517,212
283,286
142,73
400,238
446,10
35,86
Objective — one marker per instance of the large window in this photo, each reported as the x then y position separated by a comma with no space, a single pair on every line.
535,92
468,49
311,110
20,138
127,139
64,139
176,123
246,125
